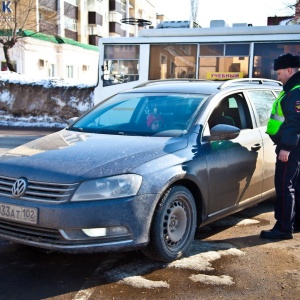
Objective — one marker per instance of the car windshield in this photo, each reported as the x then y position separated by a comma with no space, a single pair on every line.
142,114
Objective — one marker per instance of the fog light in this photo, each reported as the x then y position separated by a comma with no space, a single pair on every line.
94,232
108,231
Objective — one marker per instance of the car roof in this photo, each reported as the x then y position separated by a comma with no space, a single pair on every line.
195,86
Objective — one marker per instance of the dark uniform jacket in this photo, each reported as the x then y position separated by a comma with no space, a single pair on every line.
287,138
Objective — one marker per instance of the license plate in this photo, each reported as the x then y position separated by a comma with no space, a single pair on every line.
18,213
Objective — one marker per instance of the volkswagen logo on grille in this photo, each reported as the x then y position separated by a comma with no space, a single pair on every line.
19,187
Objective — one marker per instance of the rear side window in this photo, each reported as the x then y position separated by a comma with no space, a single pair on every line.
263,101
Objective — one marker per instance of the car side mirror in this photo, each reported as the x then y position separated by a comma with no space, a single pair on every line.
223,132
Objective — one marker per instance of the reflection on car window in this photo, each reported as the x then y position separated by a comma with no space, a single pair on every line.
263,101
142,114
118,114
232,110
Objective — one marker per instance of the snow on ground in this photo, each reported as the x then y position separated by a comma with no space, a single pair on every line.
40,121
200,260
46,82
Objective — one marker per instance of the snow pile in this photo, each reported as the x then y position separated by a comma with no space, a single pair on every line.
39,102
12,77
40,121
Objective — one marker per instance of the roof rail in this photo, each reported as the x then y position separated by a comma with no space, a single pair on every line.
150,82
248,80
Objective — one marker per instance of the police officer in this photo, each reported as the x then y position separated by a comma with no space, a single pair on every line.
284,130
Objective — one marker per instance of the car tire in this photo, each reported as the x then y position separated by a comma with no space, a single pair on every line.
173,226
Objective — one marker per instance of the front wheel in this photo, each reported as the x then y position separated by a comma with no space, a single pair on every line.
173,226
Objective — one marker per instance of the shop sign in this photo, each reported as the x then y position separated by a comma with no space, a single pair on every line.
224,75
6,7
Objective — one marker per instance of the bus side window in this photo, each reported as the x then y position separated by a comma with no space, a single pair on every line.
121,64
172,61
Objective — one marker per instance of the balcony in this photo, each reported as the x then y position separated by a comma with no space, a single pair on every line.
93,40
71,34
48,27
48,5
95,18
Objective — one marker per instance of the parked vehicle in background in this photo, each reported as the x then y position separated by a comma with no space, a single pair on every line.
112,181
216,53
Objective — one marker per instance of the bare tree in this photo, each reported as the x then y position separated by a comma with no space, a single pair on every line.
293,19
292,6
19,15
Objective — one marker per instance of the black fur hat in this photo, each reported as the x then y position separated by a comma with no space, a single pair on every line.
285,61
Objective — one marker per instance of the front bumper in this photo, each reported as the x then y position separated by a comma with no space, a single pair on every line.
122,223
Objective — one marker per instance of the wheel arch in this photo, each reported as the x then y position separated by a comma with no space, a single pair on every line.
194,189
163,232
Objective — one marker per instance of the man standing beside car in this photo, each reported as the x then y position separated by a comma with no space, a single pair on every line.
284,130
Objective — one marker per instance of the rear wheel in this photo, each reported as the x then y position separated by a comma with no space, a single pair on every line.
173,226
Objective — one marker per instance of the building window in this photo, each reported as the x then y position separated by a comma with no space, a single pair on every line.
4,66
123,5
98,5
70,73
70,24
85,68
95,30
51,70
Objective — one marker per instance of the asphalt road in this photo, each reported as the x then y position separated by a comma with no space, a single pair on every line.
227,260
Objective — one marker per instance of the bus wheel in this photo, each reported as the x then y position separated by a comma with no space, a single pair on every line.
173,226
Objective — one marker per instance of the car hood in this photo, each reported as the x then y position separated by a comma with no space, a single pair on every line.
68,156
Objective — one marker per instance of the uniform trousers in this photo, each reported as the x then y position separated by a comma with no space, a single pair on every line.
287,186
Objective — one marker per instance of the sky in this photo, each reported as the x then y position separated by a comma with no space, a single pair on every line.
253,12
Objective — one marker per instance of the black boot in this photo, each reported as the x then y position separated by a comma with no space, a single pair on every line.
275,234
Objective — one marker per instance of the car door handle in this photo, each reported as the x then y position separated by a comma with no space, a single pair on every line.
256,147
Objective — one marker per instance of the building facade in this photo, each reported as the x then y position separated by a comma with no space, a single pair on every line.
60,37
86,21
286,20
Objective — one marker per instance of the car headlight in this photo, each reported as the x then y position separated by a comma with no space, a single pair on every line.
108,188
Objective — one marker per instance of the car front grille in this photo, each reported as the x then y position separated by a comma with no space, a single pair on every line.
39,191
29,232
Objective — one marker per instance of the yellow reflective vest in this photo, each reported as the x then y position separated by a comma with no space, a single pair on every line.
277,117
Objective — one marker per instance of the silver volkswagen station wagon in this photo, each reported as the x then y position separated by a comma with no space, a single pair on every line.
143,169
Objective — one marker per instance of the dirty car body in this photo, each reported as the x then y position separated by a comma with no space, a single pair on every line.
110,181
